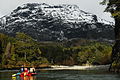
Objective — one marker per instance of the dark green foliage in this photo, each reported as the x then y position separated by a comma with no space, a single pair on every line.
113,6
96,53
24,50
3,43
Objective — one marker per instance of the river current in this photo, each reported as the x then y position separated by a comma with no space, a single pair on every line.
63,75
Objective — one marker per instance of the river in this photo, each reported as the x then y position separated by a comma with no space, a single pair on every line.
63,75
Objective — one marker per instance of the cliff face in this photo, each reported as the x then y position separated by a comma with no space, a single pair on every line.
46,22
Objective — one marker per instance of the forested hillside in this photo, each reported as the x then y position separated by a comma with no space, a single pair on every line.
24,50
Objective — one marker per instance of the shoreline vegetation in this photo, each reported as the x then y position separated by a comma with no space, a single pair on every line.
24,50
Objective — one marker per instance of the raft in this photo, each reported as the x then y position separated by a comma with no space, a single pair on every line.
22,74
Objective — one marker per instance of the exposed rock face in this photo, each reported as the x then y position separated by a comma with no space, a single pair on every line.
46,22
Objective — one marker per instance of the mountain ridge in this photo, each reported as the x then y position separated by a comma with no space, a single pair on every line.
55,22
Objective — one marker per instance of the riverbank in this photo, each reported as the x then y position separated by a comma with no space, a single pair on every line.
76,67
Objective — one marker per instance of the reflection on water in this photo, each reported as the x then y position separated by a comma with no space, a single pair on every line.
24,78
63,75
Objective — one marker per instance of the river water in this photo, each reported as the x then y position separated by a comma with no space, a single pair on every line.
63,75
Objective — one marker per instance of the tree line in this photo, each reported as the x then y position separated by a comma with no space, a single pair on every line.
24,50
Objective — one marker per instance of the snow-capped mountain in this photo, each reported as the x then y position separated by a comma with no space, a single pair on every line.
55,22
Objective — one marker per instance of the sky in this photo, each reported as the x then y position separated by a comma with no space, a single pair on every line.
91,6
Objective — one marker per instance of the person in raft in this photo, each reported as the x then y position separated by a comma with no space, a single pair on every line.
32,70
26,71
22,69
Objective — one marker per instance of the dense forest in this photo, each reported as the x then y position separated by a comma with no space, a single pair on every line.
24,50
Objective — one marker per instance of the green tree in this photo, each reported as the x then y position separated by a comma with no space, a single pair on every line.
113,6
27,50
3,43
9,55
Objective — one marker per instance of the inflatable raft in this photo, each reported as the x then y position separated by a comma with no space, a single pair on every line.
23,74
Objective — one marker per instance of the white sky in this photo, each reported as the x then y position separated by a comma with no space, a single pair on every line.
92,6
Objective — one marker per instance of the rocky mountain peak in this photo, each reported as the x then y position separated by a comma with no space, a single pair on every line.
55,22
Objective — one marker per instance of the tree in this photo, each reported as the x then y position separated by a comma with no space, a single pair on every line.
9,55
113,6
24,45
